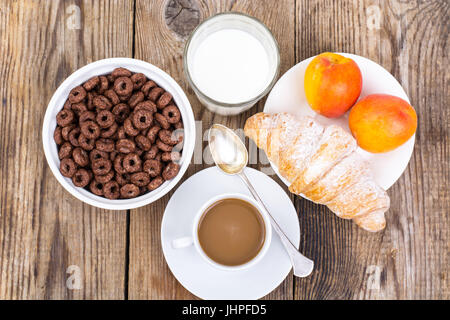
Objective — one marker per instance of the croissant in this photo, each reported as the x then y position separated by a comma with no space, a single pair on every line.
322,164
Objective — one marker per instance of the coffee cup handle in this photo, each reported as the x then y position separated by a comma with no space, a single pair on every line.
181,243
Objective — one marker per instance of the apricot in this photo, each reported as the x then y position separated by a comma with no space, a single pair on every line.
332,84
381,122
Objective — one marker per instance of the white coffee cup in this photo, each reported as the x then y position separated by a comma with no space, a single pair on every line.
187,241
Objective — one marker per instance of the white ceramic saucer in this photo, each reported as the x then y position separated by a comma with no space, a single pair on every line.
192,271
288,95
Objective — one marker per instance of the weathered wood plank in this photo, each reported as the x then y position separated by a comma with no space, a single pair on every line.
46,235
410,258
162,45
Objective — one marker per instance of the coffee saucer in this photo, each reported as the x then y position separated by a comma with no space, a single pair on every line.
192,271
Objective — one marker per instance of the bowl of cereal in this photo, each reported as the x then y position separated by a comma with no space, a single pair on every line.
118,133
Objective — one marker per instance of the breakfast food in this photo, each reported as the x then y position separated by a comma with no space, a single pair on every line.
321,164
381,122
332,84
119,135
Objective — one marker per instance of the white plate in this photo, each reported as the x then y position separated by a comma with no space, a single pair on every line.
198,276
288,95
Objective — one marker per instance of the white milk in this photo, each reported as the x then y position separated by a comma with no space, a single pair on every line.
231,66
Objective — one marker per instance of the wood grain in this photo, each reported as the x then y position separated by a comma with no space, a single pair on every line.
43,229
161,43
409,39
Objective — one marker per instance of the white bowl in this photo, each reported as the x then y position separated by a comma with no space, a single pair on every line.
106,66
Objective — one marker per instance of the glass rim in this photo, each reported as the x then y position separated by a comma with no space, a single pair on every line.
217,102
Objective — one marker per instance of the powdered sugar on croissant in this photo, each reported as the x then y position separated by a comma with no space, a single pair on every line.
321,164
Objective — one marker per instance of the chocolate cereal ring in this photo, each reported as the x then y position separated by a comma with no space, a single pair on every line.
170,156
85,116
104,144
170,171
79,108
125,146
168,137
104,178
152,167
101,102
80,156
163,147
147,86
77,94
112,96
57,136
105,118
111,190
155,183
143,142
135,99
121,111
109,132
101,166
74,134
132,163
90,100
123,178
118,164
67,167
140,179
81,178
152,133
129,128
120,72
64,117
129,191
86,143
121,133
113,155
138,80
155,93
91,83
178,125
151,154
172,114
142,119
103,85
90,129
123,86
65,151
162,121
97,154
164,100
96,188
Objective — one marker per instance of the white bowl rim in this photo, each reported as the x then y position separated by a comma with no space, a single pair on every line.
79,76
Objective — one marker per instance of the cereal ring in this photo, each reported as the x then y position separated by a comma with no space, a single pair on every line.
172,114
178,125
143,142
123,178
103,85
96,188
153,133
147,104
111,190
129,128
104,144
168,137
120,72
85,116
162,120
67,105
90,100
138,80
90,129
125,146
109,132
118,164
74,134
171,156
140,179
135,99
147,86
91,83
112,96
86,143
81,178
97,154
155,183
121,133
123,86
164,100
155,93
64,117
152,167
104,178
105,118
110,78
79,108
80,156
151,154
65,151
101,166
129,191
163,147
158,156
125,98
121,111
142,119
67,167
132,163
170,171
101,102
77,94
113,155
66,130
57,136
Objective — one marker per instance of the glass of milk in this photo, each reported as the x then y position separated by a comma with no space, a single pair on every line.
231,60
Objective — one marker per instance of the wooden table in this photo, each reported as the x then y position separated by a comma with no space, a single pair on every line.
52,246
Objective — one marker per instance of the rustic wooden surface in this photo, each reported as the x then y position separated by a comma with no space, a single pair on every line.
52,246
